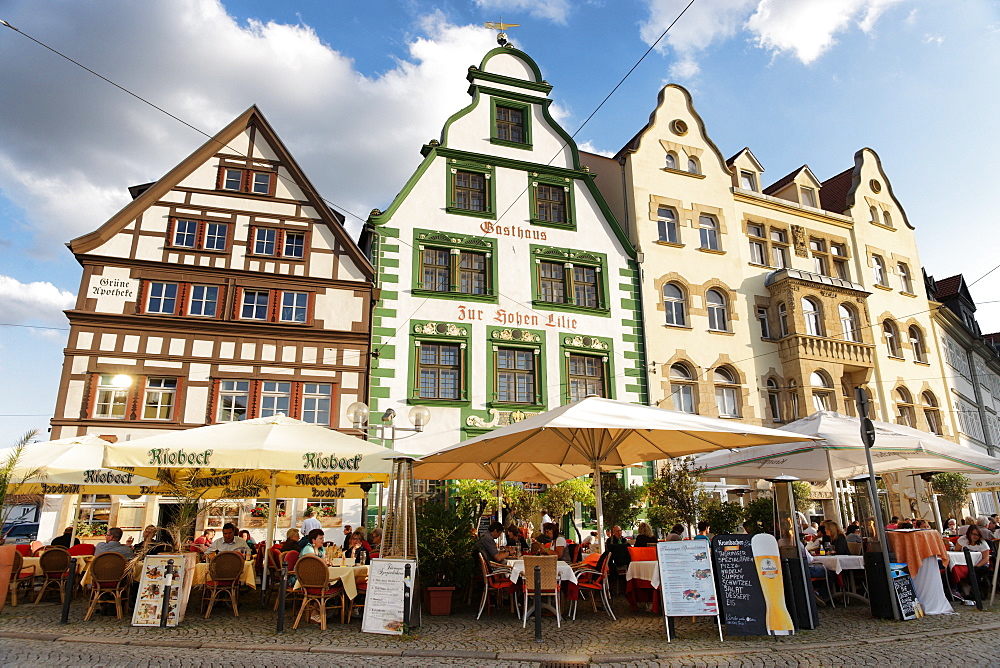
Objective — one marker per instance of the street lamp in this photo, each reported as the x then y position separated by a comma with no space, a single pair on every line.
359,414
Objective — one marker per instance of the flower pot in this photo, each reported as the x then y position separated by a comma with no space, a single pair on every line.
439,600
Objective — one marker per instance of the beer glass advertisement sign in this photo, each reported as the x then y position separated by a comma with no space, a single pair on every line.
687,583
750,583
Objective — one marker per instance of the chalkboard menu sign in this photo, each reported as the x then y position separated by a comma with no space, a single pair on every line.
384,598
907,597
484,524
741,597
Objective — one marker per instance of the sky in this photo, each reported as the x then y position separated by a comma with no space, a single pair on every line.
355,88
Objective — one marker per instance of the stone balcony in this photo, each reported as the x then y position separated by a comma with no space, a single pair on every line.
822,349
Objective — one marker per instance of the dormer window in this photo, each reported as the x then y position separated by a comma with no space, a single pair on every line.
748,180
808,197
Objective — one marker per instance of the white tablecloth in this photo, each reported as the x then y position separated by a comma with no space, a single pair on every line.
644,570
838,563
566,573
929,588
958,559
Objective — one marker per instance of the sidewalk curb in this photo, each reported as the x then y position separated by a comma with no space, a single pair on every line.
725,648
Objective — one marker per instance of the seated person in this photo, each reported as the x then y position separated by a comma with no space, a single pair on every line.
314,544
356,548
63,540
148,536
645,536
113,544
704,531
515,539
588,540
204,541
973,539
487,545
616,537
229,542
376,544
291,541
852,534
557,542
838,541
251,543
676,533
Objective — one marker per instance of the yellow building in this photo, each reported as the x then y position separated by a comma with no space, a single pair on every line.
766,304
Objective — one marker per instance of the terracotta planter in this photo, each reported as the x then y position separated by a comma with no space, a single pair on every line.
6,563
439,600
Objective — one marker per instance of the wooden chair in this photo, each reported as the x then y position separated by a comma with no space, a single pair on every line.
224,573
312,574
111,577
595,580
550,584
289,557
54,563
20,578
855,548
497,583
273,573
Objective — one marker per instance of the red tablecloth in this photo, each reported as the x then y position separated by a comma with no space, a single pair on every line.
915,546
641,591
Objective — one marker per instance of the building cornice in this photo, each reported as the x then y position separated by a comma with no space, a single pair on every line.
778,204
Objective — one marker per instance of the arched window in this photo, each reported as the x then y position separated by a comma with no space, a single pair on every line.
886,219
904,405
878,270
727,392
718,316
774,399
670,162
931,413
681,388
849,323
814,320
783,319
891,335
708,228
822,390
693,167
873,214
905,281
917,344
674,303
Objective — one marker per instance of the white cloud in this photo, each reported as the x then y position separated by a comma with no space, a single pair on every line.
38,303
933,39
804,28
589,147
72,144
553,10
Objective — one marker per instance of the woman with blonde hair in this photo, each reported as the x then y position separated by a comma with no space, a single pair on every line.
645,536
837,538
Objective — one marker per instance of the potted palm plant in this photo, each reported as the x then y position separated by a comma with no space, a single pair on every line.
445,542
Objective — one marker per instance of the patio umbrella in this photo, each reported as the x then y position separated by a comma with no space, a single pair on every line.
840,453
602,433
70,466
295,456
498,472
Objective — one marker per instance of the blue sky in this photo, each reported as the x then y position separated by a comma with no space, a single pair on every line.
354,89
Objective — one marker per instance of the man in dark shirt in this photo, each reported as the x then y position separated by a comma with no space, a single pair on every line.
488,544
348,530
63,540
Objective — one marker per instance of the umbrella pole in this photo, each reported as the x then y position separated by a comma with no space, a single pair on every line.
600,507
272,511
833,486
499,501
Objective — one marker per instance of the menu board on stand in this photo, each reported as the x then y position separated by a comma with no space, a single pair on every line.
153,582
751,588
687,582
384,599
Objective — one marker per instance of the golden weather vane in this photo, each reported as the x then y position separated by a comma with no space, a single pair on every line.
500,26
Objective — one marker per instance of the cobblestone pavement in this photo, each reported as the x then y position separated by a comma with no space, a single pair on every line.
30,635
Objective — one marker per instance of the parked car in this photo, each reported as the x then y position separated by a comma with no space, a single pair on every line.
20,533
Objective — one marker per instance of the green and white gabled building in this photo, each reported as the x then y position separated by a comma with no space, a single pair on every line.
507,286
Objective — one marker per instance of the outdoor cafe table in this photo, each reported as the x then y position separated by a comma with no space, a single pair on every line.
201,572
34,562
347,575
642,576
957,567
839,563
920,550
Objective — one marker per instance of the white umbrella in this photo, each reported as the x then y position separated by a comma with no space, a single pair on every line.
840,453
602,433
71,466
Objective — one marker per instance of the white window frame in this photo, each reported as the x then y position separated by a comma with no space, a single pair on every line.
275,397
666,225
718,312
255,306
682,389
203,301
186,234
157,290
675,307
813,317
317,402
748,180
295,305
112,401
708,232
160,396
233,390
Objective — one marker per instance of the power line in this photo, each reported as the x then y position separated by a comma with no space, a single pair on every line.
14,324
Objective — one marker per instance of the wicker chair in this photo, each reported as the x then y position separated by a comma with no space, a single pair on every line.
595,580
312,574
496,583
111,577
224,573
54,563
550,584
273,573
20,578
289,557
